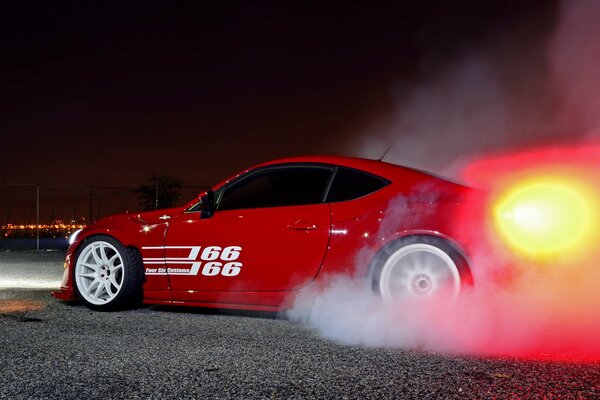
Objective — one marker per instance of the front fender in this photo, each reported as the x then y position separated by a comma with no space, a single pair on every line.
131,232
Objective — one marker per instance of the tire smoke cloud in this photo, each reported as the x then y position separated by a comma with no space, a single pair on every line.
496,100
539,316
514,91
519,306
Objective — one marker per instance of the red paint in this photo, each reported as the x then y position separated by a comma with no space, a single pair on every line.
517,309
277,259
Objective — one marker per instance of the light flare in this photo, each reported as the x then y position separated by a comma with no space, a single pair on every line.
547,216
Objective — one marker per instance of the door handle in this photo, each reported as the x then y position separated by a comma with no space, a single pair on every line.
302,225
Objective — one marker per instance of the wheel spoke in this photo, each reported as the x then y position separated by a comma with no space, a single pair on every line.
91,266
419,261
117,276
99,289
103,254
97,258
90,288
401,268
108,287
442,273
428,264
111,261
87,274
113,280
398,284
423,261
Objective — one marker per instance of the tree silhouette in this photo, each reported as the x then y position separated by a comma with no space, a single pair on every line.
160,192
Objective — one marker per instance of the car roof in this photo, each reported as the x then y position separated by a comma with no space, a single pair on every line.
374,166
391,172
380,168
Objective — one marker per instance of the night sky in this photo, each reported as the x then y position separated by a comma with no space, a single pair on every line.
111,94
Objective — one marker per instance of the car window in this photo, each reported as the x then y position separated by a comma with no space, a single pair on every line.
351,184
275,187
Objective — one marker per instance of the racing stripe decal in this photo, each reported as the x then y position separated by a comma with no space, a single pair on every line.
191,264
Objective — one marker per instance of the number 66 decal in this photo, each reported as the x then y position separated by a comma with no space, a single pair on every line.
228,254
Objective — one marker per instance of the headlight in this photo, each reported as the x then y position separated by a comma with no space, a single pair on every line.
74,236
546,216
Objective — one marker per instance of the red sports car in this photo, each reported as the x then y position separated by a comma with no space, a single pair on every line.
257,238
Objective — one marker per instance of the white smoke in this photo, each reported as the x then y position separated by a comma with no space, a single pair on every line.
538,314
491,100
574,58
512,93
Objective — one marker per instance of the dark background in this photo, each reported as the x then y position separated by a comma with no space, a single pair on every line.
107,95
110,94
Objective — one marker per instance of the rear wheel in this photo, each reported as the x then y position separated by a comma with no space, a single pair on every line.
420,268
107,275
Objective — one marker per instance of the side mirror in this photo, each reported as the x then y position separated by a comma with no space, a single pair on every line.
207,204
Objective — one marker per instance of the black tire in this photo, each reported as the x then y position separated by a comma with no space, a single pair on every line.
394,258
107,275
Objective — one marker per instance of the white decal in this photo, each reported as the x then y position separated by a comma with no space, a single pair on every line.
190,265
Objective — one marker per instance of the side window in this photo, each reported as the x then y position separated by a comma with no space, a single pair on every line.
274,187
351,184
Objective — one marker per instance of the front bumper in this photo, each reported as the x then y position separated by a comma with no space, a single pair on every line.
65,294
66,291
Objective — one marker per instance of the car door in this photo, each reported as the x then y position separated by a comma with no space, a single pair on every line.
269,232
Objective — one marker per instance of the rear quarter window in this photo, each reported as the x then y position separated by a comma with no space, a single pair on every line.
349,184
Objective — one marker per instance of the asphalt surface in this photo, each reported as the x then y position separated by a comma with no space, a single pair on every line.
31,269
54,350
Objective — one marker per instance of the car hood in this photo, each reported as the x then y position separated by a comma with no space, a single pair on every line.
146,218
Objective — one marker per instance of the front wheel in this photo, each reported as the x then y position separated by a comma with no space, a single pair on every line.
107,275
420,268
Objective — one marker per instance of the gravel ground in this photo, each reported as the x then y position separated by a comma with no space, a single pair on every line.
53,350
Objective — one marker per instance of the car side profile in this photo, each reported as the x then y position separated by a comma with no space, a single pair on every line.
257,238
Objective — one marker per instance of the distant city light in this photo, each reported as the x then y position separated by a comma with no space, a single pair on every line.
54,229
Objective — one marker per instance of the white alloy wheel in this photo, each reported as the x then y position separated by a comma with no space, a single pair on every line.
99,272
419,271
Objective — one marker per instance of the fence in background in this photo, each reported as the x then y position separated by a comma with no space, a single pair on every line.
42,217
